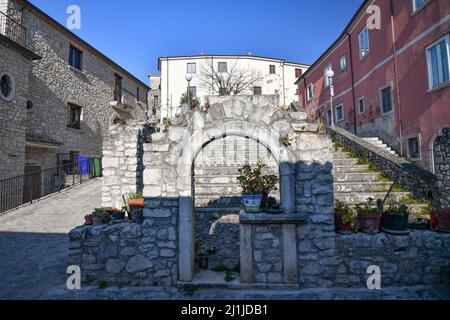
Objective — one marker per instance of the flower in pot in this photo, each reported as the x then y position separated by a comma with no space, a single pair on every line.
395,218
256,186
344,219
443,219
369,215
136,200
88,220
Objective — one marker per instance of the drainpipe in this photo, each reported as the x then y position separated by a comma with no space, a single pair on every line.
394,45
353,81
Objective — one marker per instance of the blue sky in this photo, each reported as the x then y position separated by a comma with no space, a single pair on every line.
135,33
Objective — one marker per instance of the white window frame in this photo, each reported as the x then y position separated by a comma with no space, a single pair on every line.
222,63
414,136
310,93
380,94
190,64
364,105
343,58
418,8
341,105
326,79
364,30
13,87
446,38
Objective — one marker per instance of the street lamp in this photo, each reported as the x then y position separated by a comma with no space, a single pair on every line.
189,79
330,75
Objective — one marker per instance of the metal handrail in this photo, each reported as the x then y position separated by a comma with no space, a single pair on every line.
12,29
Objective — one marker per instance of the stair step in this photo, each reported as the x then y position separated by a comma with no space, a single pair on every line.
359,197
345,162
356,177
348,187
349,169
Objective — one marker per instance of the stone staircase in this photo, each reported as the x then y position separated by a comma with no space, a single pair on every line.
354,183
380,144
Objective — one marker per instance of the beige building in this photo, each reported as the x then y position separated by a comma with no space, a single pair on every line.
59,95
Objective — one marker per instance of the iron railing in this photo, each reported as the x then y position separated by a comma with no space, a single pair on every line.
128,98
12,29
32,186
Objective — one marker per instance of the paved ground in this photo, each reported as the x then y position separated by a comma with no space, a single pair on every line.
33,252
34,241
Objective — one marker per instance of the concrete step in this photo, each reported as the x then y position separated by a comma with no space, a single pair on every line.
349,169
344,187
345,162
341,155
359,197
356,177
219,171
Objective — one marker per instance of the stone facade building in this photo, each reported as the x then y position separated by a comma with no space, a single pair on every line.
64,93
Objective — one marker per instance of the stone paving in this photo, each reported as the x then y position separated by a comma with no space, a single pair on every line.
34,241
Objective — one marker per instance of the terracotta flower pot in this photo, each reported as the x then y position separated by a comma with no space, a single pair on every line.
97,220
136,203
342,227
443,217
88,220
370,222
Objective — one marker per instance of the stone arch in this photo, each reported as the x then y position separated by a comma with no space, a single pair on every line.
192,146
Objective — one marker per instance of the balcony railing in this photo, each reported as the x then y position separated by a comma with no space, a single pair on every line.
124,99
12,29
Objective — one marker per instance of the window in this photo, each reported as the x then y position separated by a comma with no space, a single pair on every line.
272,69
29,105
343,63
310,92
418,4
192,68
364,44
74,120
438,62
75,57
7,87
329,117
386,100
193,91
223,67
340,113
414,148
298,72
327,80
117,88
138,93
361,106
257,91
223,92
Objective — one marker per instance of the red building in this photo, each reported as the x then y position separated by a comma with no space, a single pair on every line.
390,82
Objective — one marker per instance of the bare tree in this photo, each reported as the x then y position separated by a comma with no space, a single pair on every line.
234,81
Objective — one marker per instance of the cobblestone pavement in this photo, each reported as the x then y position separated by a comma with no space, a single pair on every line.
33,252
34,241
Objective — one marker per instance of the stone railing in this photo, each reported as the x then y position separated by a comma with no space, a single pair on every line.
409,176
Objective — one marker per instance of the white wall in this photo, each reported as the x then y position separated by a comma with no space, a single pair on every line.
173,82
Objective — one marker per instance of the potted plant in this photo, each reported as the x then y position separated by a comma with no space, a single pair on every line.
88,220
395,218
99,216
369,215
136,200
443,219
344,219
256,186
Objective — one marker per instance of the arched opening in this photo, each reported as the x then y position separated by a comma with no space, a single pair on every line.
192,147
216,197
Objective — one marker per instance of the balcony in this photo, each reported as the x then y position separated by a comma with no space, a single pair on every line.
13,30
125,101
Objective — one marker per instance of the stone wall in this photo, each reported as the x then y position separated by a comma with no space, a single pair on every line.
411,177
13,113
122,164
442,167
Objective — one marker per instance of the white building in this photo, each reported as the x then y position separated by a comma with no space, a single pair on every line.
275,76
